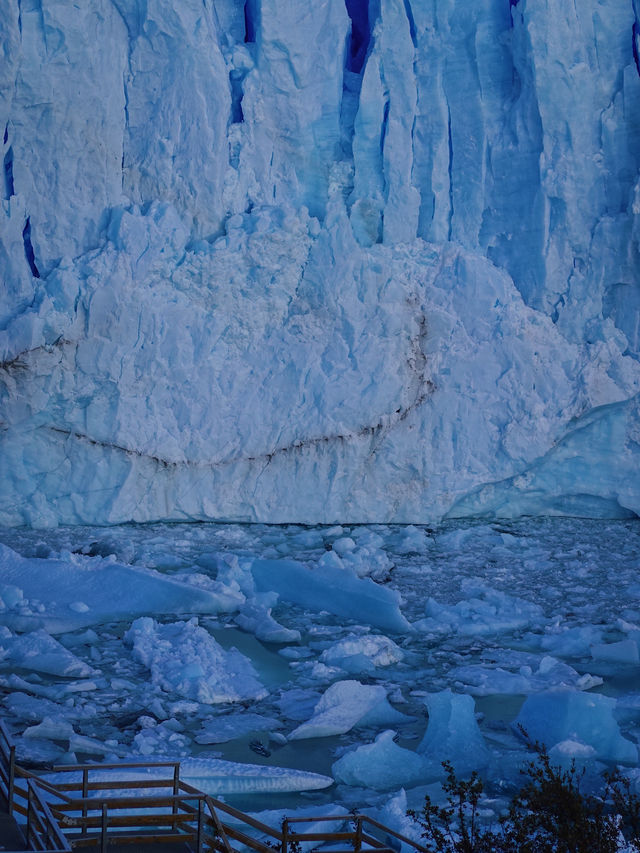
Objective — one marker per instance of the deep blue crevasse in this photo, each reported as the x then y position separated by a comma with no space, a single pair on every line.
358,11
28,249
9,189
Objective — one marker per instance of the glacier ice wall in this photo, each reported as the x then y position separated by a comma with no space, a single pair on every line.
356,260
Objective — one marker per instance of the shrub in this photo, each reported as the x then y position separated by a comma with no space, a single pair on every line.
550,814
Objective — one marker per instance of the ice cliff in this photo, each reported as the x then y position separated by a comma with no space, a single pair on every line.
276,260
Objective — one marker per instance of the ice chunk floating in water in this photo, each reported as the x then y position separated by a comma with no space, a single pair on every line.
336,590
109,591
185,659
217,777
453,734
486,611
344,705
225,777
362,654
587,718
381,765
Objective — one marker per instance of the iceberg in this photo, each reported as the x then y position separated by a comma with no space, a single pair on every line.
381,765
255,616
362,654
39,652
553,718
34,710
107,591
185,659
334,589
453,734
347,704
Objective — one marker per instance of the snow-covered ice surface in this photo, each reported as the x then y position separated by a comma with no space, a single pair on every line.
535,621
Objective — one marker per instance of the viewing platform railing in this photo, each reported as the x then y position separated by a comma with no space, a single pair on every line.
137,803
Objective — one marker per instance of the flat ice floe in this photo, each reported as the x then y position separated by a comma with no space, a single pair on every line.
66,594
336,590
217,777
232,726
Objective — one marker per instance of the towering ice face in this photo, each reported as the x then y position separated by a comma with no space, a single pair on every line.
355,259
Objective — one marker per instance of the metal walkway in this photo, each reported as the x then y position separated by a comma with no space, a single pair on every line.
142,805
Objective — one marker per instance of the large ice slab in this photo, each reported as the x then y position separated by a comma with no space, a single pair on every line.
90,590
334,589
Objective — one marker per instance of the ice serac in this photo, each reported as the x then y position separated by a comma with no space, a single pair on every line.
373,260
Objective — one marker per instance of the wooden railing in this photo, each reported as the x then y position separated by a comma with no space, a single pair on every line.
43,831
77,810
7,766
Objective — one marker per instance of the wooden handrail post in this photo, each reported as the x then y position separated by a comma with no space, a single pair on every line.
199,830
176,791
357,845
285,834
29,807
103,831
12,776
85,791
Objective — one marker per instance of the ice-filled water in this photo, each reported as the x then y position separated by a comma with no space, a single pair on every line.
532,622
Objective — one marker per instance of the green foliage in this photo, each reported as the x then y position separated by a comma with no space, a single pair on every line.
550,814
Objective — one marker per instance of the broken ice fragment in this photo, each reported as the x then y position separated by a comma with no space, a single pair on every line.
381,765
185,659
453,734
552,717
344,705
